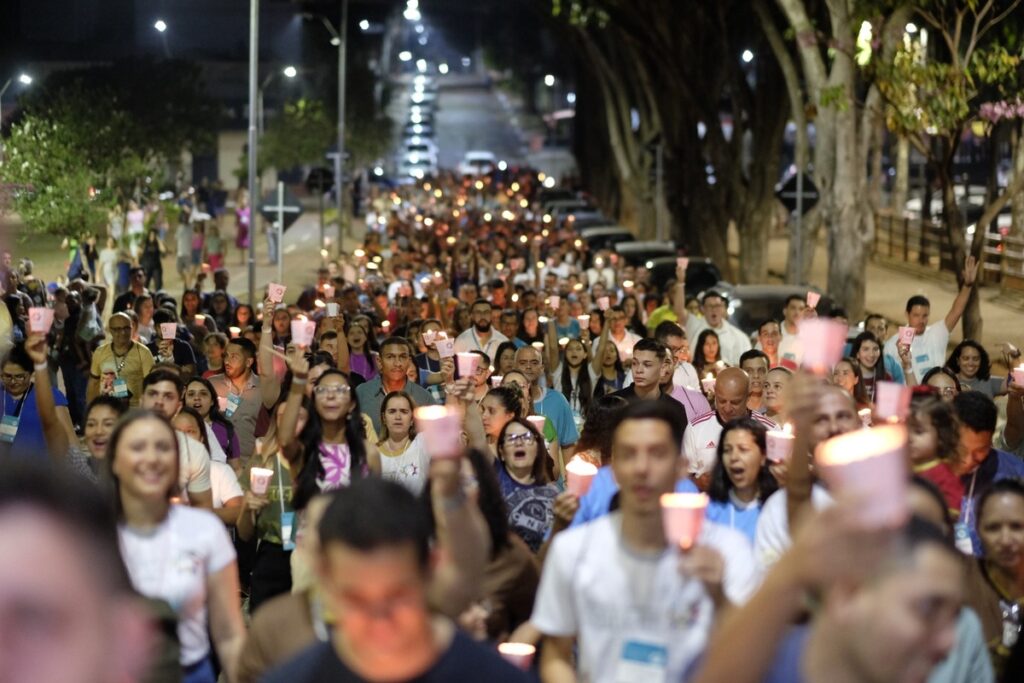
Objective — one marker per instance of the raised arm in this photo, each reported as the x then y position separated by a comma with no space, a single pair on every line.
679,297
286,435
551,347
597,359
969,275
56,435
270,387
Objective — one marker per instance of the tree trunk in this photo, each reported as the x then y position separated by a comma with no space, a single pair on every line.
898,198
1017,200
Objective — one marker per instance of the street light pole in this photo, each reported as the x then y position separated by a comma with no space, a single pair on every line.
24,79
339,162
254,63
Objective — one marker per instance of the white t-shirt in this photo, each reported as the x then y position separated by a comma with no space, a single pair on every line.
224,484
574,399
772,537
927,351
732,341
193,464
742,576
700,440
409,469
625,345
685,376
173,563
619,604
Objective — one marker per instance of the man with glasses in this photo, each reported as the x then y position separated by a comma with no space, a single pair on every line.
394,360
21,429
119,365
624,339
481,336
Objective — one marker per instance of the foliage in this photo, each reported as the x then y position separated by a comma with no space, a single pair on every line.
300,136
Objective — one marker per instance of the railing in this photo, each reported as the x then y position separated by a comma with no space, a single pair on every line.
925,244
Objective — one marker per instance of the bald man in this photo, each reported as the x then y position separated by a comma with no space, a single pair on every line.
700,442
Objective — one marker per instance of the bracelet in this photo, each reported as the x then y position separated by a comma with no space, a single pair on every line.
41,366
299,381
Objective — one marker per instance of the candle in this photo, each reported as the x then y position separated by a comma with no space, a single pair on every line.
865,416
519,655
303,331
579,475
871,465
1018,375
584,321
780,444
259,480
168,330
441,428
554,301
40,319
467,363
906,335
538,422
821,341
275,292
539,346
892,401
496,380
603,303
682,515
708,383
235,331
682,262
812,299
200,319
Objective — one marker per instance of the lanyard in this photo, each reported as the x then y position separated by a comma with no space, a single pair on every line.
280,482
970,499
21,401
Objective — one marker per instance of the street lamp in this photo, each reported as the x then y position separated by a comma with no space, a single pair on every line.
161,27
22,78
364,25
747,56
549,81
288,72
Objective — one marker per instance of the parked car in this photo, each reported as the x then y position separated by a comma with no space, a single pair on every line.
578,220
701,273
750,305
605,237
638,253
477,163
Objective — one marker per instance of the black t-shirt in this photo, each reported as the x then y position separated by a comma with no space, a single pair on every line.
629,395
463,662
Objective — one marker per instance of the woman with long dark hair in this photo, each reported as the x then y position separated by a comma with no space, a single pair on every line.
740,480
157,537
331,451
707,353
524,472
867,351
575,378
224,445
973,369
846,374
403,456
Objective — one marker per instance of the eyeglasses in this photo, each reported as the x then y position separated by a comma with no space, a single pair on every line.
120,330
333,390
523,438
20,377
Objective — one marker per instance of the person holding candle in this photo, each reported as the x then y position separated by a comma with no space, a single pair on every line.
403,456
23,433
551,404
173,350
714,307
867,351
700,442
525,471
740,480
247,401
970,361
481,375
622,565
331,451
480,335
928,348
202,397
995,581
126,360
432,370
174,553
396,355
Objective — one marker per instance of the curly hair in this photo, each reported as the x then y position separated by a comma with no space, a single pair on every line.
984,367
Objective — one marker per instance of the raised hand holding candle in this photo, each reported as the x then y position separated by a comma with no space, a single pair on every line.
333,309
445,347
554,301
168,330
906,335
441,428
579,475
275,292
519,655
584,321
812,299
40,319
708,383
682,515
328,291
303,331
871,465
682,262
429,336
496,380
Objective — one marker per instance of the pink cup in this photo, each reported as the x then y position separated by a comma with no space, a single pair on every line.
584,321
812,299
554,300
168,330
892,400
906,335
467,363
429,336
538,422
333,310
496,380
40,319
821,341
682,515
275,292
603,303
303,331
682,262
870,465
708,385
579,475
519,655
259,480
234,331
779,445
1018,375
865,416
445,347
441,428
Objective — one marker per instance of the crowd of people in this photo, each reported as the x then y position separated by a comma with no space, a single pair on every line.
200,488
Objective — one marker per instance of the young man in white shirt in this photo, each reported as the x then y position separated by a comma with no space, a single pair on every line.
637,608
715,307
928,350
481,336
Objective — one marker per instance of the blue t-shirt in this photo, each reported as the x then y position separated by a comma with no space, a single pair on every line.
997,466
554,406
786,667
531,508
29,441
731,515
603,488
572,330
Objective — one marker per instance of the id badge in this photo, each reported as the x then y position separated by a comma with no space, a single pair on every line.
234,400
287,530
120,388
642,662
962,538
9,428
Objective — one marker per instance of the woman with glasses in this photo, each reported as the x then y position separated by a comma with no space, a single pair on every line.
944,381
525,472
332,449
118,366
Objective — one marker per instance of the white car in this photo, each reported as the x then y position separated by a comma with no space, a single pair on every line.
422,146
477,162
417,166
